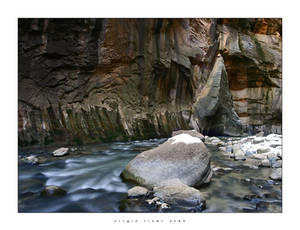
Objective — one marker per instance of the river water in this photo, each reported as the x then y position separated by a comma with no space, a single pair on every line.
93,184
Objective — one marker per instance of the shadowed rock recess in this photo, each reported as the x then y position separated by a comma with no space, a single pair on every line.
94,80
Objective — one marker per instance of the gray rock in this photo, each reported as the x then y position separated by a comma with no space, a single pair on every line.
53,191
276,174
174,192
258,140
272,156
229,149
183,157
252,163
263,150
259,156
31,159
239,155
222,149
214,106
61,152
137,191
265,163
260,134
193,133
277,164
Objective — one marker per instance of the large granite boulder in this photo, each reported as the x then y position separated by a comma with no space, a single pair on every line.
193,133
181,157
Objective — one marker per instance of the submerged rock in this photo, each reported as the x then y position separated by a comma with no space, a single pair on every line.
53,191
61,152
137,191
182,157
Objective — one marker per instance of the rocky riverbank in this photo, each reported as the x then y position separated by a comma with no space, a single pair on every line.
173,185
87,179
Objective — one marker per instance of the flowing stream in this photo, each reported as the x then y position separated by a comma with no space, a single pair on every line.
93,184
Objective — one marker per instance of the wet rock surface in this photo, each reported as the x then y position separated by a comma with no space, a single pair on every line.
93,184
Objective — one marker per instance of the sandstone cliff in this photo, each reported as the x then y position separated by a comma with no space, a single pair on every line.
91,80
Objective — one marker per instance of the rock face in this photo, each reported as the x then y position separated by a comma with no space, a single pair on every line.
91,80
182,157
252,56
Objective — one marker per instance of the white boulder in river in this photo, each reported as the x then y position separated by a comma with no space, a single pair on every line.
182,157
61,152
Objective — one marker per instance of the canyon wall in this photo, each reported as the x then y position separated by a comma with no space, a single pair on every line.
94,80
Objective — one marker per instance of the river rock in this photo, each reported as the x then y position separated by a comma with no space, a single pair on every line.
272,156
137,191
181,157
276,174
259,156
192,133
263,150
260,134
239,155
265,163
258,140
277,164
61,152
53,191
176,193
222,149
31,159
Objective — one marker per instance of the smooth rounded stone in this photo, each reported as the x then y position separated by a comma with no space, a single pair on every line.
249,151
229,149
222,149
137,191
272,156
236,148
53,191
274,144
258,156
252,163
217,143
260,134
276,174
273,136
258,140
221,170
263,150
31,159
265,163
181,157
277,164
153,201
192,133
239,155
164,206
60,152
174,192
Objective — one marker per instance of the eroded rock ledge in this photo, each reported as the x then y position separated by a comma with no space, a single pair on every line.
91,80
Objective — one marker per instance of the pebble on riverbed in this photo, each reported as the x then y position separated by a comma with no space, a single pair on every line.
60,152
